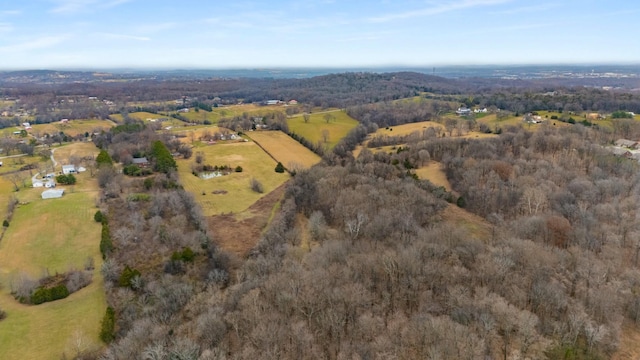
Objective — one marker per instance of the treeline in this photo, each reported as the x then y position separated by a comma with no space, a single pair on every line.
48,288
562,99
385,114
52,103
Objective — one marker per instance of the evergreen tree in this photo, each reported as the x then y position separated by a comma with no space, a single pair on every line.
164,162
107,330
104,159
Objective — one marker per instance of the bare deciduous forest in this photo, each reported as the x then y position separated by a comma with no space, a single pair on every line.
362,260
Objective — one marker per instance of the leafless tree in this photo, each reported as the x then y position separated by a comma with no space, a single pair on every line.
325,136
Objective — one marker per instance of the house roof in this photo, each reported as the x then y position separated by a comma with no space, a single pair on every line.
68,167
625,143
142,160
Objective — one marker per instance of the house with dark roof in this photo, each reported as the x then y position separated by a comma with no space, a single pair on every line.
141,162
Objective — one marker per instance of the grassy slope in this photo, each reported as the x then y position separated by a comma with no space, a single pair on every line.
53,234
312,131
433,172
285,149
406,129
255,163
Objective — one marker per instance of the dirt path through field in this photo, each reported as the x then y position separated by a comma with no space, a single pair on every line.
239,233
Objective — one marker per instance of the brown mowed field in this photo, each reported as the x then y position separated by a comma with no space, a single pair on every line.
285,150
433,172
239,233
406,129
63,154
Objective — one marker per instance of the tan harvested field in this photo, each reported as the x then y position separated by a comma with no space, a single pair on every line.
434,173
239,196
51,235
78,149
406,129
284,149
337,127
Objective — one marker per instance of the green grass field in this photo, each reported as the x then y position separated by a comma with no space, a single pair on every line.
201,115
338,127
14,163
492,121
255,163
53,234
286,150
141,115
72,128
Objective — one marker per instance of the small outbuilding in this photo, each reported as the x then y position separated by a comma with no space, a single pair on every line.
52,194
68,169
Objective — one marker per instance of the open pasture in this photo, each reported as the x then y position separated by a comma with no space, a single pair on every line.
140,115
286,150
15,163
74,127
71,128
336,128
493,122
52,235
64,154
194,134
406,129
434,173
237,195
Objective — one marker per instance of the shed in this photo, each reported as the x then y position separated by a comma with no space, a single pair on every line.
52,194
68,169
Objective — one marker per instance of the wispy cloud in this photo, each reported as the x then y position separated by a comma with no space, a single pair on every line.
437,9
375,36
75,6
527,9
10,12
35,44
155,28
506,29
6,27
123,36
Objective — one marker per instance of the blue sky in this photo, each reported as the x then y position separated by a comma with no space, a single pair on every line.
63,34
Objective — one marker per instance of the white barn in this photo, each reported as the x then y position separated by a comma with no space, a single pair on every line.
52,194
